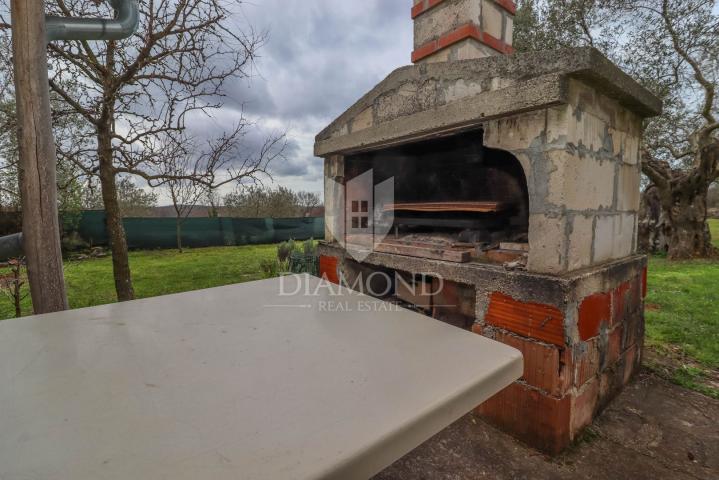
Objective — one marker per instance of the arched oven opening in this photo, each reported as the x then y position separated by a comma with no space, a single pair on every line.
453,199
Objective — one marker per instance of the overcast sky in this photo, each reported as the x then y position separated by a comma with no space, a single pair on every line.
320,57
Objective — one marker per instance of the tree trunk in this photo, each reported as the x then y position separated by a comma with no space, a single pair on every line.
113,217
178,229
652,222
38,189
685,212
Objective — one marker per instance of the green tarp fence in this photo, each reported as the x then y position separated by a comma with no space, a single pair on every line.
148,233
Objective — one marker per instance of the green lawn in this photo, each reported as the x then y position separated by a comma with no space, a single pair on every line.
159,272
682,316
683,308
682,319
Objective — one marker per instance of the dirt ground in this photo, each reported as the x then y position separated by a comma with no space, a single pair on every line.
653,430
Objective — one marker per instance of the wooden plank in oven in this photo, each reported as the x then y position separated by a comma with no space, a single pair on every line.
434,252
524,247
501,256
470,223
476,207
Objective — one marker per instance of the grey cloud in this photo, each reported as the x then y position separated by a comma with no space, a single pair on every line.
320,57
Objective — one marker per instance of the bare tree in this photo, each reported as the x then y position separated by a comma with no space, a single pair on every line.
137,92
214,200
247,201
307,202
189,174
184,194
257,201
134,200
672,48
12,283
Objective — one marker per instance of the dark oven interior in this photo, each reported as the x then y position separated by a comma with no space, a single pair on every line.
450,193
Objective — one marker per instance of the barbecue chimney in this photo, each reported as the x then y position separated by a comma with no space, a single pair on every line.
461,29
513,210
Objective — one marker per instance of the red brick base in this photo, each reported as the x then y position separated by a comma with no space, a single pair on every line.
565,386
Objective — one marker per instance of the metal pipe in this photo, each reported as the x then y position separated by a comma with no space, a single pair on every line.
124,24
11,246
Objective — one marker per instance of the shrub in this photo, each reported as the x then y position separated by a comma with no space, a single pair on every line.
284,250
309,247
270,267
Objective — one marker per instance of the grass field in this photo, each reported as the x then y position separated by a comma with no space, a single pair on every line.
159,272
682,315
682,318
683,305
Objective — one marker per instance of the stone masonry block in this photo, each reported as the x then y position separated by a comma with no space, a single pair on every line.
443,18
585,99
364,120
443,55
557,125
334,197
631,149
613,237
628,188
515,133
460,89
580,242
618,142
492,18
468,49
547,243
580,183
601,124
588,132
408,98
625,146
509,30
628,122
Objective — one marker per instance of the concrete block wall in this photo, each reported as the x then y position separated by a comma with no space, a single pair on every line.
334,196
581,160
446,30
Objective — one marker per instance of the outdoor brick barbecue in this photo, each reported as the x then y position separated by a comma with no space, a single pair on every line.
515,198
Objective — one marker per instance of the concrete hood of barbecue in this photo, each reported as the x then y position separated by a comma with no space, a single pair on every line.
430,99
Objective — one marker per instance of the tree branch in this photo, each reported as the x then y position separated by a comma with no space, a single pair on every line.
709,88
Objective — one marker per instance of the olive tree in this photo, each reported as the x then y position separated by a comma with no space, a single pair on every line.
672,48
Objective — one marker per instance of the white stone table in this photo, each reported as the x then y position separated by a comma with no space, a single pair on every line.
236,382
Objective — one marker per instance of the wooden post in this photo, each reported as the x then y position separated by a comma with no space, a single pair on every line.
38,189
